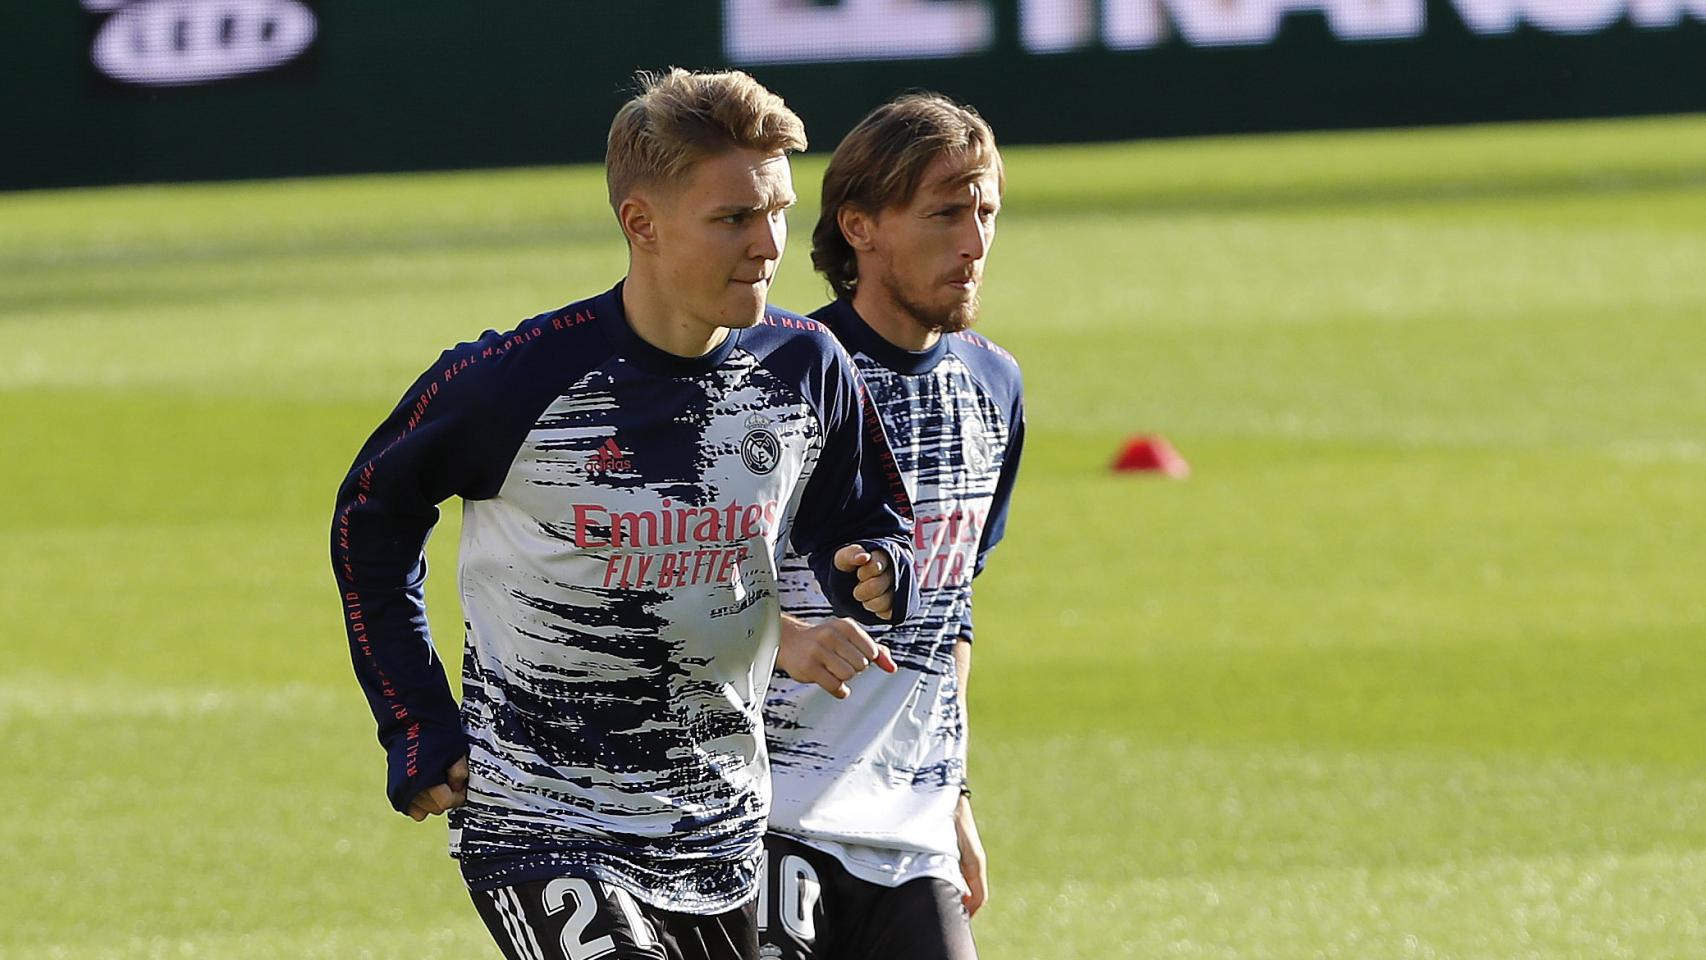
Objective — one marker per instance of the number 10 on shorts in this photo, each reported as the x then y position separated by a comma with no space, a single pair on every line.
797,894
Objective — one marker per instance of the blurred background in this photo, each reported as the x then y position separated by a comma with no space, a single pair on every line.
129,90
1408,667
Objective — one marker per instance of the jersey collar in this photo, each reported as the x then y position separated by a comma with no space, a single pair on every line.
631,347
858,336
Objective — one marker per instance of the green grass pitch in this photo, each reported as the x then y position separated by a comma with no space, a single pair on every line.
1410,668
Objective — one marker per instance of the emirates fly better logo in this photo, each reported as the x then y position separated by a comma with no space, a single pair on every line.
179,43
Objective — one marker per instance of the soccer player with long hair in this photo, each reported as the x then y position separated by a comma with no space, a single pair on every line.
874,853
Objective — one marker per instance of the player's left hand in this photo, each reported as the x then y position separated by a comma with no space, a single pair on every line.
974,865
875,591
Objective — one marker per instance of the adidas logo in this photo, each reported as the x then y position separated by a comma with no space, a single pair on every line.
609,458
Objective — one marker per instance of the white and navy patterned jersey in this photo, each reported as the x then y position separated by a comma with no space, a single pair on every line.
874,778
625,512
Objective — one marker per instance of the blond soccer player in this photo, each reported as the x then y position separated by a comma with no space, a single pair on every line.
631,467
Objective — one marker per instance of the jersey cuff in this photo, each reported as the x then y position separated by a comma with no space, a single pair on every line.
420,759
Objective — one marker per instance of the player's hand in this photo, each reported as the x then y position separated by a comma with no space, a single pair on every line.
446,796
974,865
875,591
829,653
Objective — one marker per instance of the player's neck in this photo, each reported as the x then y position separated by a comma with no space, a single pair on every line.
663,324
891,321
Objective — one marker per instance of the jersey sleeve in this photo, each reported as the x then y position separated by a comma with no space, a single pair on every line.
426,451
855,495
996,526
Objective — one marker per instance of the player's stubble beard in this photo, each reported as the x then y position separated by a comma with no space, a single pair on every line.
953,319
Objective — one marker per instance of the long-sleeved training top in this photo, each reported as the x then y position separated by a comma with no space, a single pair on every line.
624,515
874,779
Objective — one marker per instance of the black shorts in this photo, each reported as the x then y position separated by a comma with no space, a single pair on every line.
813,909
574,919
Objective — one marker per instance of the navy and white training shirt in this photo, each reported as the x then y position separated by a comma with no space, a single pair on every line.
874,779
624,515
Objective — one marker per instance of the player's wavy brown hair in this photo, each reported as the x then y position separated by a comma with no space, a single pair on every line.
881,164
679,118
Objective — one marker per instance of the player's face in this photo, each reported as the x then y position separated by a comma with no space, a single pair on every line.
721,234
929,254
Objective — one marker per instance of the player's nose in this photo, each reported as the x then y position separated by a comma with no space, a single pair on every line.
975,240
770,239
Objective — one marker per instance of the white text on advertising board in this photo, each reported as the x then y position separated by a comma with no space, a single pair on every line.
787,31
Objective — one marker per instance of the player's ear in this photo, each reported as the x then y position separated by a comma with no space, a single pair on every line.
638,223
858,227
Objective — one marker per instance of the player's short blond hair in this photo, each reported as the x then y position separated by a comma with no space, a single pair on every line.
679,118
881,164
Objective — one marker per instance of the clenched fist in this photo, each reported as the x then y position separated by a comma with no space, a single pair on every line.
875,591
444,797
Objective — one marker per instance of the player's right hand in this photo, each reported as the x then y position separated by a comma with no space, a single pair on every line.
829,653
444,797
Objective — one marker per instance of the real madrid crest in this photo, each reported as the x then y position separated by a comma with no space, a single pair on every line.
759,449
978,452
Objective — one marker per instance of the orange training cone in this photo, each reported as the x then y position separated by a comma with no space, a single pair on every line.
1151,454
